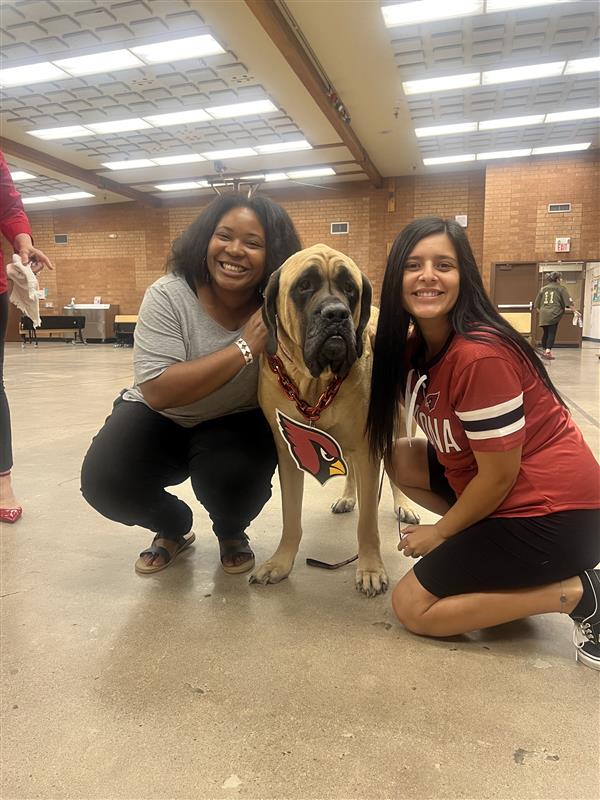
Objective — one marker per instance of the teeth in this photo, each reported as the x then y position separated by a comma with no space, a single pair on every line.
428,294
232,267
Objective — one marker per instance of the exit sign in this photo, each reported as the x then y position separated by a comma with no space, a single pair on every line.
562,244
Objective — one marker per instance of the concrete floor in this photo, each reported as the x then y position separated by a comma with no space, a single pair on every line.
194,684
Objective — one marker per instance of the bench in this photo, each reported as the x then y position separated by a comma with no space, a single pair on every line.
124,328
53,326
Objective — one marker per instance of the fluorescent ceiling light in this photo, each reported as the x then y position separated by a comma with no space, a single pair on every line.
69,132
564,116
504,154
236,152
178,118
99,62
441,84
32,73
582,65
33,200
19,175
284,147
134,163
319,172
242,109
525,73
560,148
448,159
511,122
178,49
427,10
446,130
71,196
118,126
176,187
281,176
191,158
504,5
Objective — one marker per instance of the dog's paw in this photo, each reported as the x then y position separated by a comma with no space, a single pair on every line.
406,516
270,572
343,504
372,581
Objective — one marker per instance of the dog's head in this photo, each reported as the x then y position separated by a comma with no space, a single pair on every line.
322,301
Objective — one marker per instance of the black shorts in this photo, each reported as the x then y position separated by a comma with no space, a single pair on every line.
509,552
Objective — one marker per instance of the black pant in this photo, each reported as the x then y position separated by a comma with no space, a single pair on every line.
549,335
139,452
6,458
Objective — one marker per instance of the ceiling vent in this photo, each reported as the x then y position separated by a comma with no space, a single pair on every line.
61,238
559,208
340,227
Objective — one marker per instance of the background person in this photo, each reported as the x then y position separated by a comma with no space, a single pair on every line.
551,302
15,226
517,488
193,411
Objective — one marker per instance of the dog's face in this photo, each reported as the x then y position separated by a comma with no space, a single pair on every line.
322,302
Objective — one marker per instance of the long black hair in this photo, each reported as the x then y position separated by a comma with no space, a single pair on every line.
188,252
472,316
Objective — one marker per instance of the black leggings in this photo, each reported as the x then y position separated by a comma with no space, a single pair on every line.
139,452
548,336
6,457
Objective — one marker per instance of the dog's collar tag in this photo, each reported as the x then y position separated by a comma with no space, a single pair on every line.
314,451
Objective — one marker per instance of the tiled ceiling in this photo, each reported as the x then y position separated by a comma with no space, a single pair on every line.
496,41
368,78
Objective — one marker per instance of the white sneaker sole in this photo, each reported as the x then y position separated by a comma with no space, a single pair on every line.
589,661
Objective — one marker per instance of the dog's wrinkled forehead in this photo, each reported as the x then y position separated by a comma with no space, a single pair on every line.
321,259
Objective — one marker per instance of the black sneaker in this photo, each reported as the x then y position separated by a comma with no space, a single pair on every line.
586,636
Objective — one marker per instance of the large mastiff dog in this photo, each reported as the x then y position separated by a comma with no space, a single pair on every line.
318,312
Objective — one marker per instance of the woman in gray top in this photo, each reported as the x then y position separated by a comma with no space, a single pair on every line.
193,411
552,301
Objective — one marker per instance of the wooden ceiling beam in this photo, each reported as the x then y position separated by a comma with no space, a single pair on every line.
90,177
283,37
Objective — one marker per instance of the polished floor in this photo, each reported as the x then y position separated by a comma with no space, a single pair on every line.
195,684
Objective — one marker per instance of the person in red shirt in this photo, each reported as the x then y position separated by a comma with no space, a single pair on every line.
15,226
503,464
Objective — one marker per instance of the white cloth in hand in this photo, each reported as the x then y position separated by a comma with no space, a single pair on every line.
26,291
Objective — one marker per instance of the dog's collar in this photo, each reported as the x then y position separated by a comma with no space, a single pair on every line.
311,413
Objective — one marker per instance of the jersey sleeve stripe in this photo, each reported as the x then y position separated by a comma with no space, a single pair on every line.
496,422
491,411
498,432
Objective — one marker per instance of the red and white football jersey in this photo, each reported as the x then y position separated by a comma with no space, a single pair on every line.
483,396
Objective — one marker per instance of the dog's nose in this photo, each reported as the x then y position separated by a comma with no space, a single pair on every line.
335,312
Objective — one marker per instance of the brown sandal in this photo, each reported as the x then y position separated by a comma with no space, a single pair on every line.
157,550
236,547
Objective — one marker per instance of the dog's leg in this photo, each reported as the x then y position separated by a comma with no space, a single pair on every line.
348,499
281,562
371,577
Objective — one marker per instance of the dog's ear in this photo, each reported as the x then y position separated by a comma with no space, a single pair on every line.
269,312
365,313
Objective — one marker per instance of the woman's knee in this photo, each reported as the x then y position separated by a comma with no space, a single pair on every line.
411,601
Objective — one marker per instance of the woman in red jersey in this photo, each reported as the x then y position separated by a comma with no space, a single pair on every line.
503,464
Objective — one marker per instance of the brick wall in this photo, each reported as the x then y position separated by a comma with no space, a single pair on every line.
505,207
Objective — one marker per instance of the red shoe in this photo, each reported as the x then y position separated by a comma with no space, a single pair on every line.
10,514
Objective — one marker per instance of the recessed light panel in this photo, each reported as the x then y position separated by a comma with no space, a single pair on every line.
27,201
165,161
427,10
178,49
446,130
32,73
119,126
283,147
429,162
19,175
560,148
242,109
71,196
442,84
511,122
99,62
68,132
177,187
178,118
492,6
504,154
236,152
134,163
582,65
565,116
319,172
526,73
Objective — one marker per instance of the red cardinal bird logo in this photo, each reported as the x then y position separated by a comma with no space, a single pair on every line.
313,450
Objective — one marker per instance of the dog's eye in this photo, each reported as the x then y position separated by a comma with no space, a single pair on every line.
350,288
305,285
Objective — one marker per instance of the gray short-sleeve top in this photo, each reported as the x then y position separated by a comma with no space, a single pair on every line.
173,327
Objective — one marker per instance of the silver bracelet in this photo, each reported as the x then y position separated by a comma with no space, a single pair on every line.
245,350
